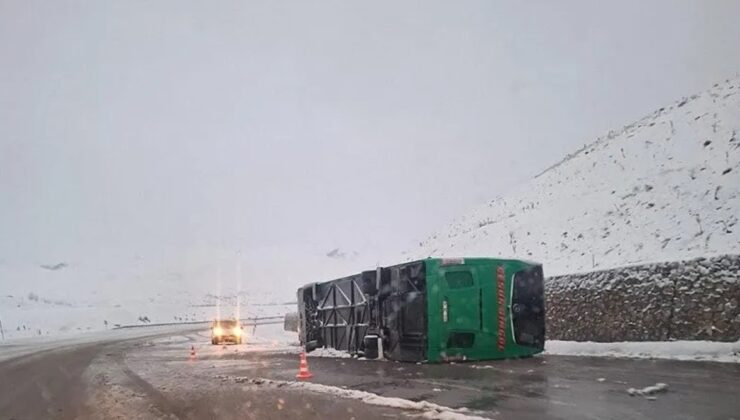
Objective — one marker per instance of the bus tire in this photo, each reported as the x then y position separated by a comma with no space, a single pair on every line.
370,343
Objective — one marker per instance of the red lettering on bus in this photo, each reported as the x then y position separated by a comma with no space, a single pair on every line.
501,294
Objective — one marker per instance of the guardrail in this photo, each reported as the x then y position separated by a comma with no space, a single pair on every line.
247,322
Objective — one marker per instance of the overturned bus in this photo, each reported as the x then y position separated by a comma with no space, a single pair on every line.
433,310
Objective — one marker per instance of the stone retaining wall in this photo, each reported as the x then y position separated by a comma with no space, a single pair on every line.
688,300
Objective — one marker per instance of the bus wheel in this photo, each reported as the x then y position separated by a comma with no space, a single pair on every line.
370,343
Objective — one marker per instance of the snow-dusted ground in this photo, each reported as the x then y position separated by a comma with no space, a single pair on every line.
259,339
322,352
676,350
35,316
665,188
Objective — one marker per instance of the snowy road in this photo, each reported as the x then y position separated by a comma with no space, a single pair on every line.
151,377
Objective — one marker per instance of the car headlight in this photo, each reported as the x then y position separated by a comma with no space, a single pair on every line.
238,331
218,331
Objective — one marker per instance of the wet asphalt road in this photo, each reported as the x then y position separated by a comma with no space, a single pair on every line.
152,378
552,387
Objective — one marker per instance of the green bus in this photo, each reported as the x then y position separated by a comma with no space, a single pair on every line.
433,310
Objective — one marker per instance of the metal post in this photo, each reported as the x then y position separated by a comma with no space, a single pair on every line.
2,333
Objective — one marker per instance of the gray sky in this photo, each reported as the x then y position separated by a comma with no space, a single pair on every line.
166,134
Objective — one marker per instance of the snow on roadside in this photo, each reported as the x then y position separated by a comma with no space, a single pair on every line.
710,351
272,334
648,390
329,352
263,339
426,409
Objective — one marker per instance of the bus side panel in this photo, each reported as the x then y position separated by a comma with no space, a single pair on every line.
403,299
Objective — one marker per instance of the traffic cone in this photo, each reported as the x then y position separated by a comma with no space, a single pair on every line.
303,372
192,353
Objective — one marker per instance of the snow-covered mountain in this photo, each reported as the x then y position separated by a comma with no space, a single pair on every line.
664,188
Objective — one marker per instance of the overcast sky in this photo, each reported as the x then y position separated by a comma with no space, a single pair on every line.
171,132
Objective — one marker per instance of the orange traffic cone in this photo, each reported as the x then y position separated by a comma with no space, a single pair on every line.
303,372
192,353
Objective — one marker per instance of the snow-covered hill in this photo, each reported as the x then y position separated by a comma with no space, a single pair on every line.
664,188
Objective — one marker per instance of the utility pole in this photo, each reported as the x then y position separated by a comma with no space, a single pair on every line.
2,333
